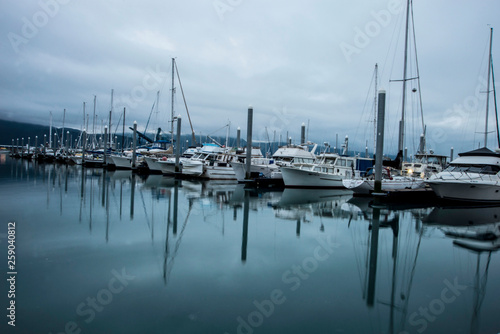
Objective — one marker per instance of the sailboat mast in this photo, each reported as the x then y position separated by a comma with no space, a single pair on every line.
62,131
93,123
110,140
173,93
83,125
495,101
157,103
375,111
488,92
401,123
50,131
123,131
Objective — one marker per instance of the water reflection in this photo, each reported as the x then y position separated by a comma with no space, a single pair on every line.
203,252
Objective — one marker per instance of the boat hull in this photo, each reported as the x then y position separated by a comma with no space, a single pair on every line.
218,173
301,178
468,191
122,162
264,171
365,187
153,164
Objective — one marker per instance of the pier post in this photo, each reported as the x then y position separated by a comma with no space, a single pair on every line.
12,152
84,145
380,141
44,144
303,134
178,145
451,154
244,238
134,145
22,147
372,273
28,150
248,160
238,136
35,151
105,159
67,143
17,146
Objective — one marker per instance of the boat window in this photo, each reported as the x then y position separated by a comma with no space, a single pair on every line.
484,169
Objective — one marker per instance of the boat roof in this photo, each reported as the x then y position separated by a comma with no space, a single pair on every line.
480,152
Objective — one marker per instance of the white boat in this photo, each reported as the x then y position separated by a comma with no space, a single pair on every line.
167,164
407,177
473,176
424,165
153,163
210,162
365,186
123,161
270,167
328,172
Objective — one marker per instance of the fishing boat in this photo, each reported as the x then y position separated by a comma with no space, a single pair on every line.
270,168
328,171
212,161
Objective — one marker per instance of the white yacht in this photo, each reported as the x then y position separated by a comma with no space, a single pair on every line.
210,162
473,176
269,168
424,165
328,172
389,182
167,164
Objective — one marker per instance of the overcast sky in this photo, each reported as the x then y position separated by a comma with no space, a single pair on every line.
294,61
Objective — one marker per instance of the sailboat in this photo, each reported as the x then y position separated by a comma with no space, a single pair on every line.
474,175
394,179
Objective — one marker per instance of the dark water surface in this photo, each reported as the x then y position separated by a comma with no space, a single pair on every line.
112,252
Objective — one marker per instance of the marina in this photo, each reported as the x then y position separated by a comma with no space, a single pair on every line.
343,204
294,260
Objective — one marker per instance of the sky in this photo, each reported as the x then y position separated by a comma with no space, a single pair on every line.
293,61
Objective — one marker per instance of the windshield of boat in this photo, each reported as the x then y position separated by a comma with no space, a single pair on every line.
303,161
481,169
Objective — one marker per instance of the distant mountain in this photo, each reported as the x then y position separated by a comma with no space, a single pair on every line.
12,130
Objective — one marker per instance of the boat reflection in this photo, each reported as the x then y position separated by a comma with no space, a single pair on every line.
476,228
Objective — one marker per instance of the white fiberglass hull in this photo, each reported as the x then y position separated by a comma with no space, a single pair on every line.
294,177
239,169
218,173
362,186
122,162
192,168
467,190
167,167
153,164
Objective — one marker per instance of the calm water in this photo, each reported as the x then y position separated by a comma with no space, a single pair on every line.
112,252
